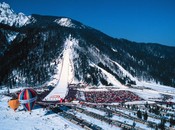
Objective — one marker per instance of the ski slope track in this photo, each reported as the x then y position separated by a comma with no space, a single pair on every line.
65,76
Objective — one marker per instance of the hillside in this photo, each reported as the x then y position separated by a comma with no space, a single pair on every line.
31,54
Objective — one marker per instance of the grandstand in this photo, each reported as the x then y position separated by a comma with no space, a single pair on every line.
107,96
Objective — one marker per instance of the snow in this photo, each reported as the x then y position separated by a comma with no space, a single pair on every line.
140,102
102,124
66,73
38,120
47,120
131,113
157,87
4,5
148,89
95,111
7,16
4,90
30,20
11,36
110,78
143,84
114,50
65,22
41,119
146,94
126,73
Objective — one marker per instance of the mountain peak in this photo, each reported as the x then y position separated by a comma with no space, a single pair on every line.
4,5
9,17
66,22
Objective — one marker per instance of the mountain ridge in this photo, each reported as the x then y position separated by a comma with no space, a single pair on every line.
33,56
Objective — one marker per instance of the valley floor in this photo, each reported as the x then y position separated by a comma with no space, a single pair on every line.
95,116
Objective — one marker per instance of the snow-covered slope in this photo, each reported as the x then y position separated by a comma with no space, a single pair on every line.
39,119
67,22
38,51
66,74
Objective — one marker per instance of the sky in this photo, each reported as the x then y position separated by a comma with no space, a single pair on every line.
135,20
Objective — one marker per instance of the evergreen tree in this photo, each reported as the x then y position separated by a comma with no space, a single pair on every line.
162,125
145,116
133,107
146,105
139,114
172,121
109,114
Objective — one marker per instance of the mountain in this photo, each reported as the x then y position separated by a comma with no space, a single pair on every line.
34,48
9,17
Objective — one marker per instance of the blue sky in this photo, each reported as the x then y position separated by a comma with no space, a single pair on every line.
135,20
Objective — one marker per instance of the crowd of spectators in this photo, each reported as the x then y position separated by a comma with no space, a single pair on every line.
111,96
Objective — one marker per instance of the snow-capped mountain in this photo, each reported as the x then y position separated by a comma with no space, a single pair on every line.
9,17
38,51
67,22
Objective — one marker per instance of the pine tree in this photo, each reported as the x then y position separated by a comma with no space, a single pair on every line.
145,116
139,114
172,121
